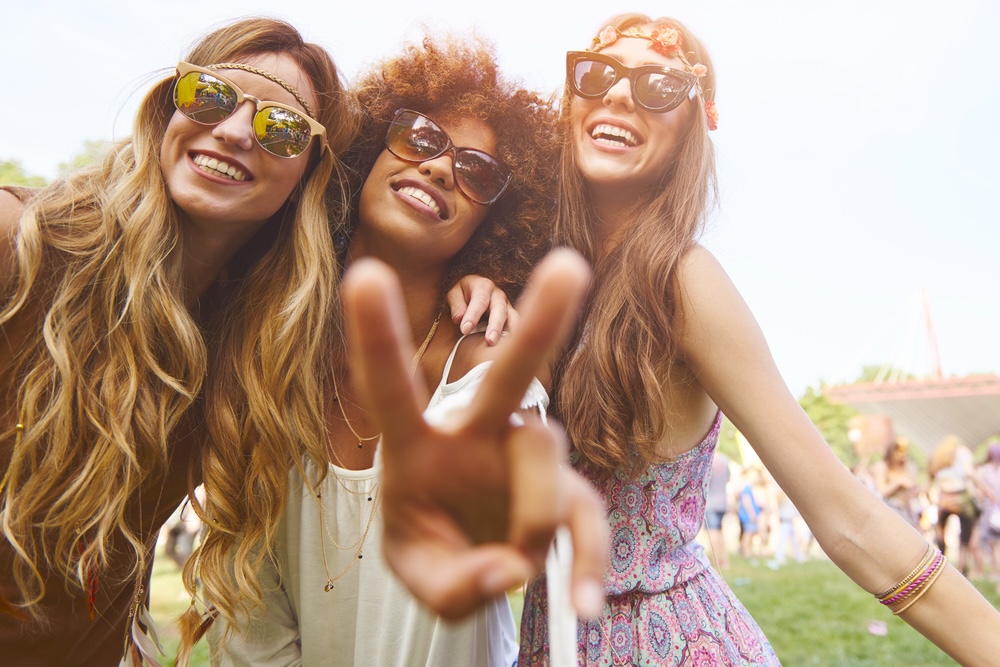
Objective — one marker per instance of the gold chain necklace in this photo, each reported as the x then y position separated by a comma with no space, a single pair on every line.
413,366
374,495
360,544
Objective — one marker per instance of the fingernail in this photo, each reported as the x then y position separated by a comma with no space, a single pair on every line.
466,327
588,598
492,337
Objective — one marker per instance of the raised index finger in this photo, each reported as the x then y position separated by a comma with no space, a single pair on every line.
380,349
548,309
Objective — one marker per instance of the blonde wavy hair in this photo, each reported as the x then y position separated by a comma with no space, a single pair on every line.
263,393
116,374
610,393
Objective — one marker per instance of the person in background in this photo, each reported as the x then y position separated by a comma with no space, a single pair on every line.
749,511
953,476
717,506
989,522
895,478
787,516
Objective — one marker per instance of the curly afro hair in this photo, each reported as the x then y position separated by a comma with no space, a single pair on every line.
451,77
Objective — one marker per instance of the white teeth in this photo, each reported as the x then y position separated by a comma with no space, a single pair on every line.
421,196
211,165
613,135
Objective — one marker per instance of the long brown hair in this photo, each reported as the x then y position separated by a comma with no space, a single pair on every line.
610,392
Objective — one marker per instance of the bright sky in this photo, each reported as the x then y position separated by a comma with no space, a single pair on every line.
859,140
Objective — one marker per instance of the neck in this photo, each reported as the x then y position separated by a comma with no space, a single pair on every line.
612,213
421,283
206,254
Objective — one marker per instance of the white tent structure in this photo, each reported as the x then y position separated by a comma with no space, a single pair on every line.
927,410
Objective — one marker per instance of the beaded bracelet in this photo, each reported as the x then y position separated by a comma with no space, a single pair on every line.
915,584
931,578
914,573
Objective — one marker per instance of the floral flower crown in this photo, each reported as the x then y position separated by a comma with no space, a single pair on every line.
665,40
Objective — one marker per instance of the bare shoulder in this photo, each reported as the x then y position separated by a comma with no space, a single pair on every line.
10,218
698,271
472,351
709,301
10,212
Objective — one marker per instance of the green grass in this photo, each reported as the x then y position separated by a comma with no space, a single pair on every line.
812,613
815,616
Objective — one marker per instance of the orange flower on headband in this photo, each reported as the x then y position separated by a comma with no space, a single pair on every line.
665,40
699,70
711,115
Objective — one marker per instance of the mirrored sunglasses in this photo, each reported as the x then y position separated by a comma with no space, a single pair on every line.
209,98
414,137
654,88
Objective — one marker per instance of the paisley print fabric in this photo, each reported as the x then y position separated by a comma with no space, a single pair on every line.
666,605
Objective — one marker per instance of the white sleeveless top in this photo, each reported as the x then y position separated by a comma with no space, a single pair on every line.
369,618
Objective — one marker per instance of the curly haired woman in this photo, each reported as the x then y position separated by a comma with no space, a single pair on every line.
459,167
176,286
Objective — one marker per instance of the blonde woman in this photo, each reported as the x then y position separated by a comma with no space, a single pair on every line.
956,484
199,248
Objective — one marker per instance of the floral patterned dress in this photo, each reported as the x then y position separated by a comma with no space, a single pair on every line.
666,605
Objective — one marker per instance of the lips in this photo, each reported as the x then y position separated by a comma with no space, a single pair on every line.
221,168
615,134
423,195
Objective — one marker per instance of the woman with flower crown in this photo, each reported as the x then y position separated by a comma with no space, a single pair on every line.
666,346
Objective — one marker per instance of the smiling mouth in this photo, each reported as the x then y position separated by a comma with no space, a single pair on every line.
210,165
612,135
422,197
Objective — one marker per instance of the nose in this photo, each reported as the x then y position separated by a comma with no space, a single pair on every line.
620,94
440,169
237,130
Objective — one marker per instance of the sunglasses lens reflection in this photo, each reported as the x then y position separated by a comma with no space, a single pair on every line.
416,138
281,132
592,78
480,176
656,90
204,98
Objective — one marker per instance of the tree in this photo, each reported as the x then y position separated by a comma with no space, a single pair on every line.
91,153
831,421
12,173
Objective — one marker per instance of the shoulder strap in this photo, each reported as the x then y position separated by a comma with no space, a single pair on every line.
454,351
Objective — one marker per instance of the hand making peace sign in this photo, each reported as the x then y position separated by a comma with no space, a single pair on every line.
470,506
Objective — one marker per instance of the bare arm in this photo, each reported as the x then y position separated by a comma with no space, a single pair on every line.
726,350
